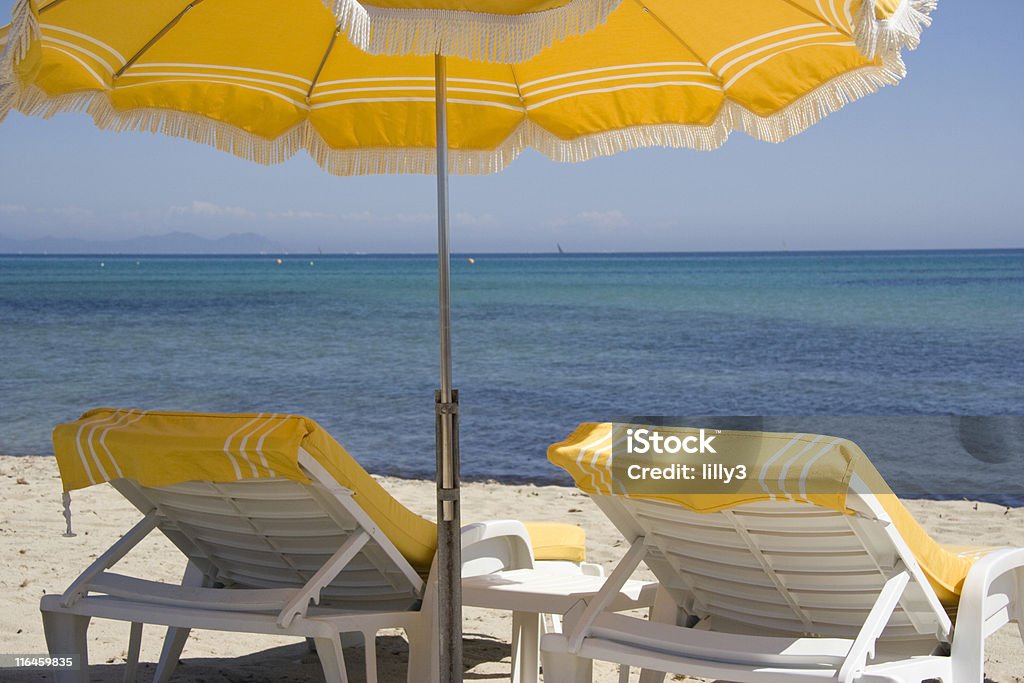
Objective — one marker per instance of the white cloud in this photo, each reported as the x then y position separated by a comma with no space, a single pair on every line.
475,220
410,218
371,218
209,209
604,220
13,208
301,215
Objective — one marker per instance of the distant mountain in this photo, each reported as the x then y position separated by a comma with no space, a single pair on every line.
169,243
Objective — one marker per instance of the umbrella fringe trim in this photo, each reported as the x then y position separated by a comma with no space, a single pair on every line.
476,36
793,119
516,38
479,36
796,117
811,108
353,20
875,36
23,32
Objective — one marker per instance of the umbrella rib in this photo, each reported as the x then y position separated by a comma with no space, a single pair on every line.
649,12
152,41
319,69
50,6
515,81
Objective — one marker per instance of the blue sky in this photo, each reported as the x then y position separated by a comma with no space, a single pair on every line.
933,163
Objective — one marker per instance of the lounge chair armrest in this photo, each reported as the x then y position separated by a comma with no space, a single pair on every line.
863,647
328,572
80,586
580,618
496,545
992,596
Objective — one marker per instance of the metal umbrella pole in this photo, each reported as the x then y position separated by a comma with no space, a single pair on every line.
449,546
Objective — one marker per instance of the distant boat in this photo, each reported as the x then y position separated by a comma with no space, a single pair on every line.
560,250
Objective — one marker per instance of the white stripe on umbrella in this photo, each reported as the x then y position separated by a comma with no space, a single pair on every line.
632,86
87,38
298,104
586,72
759,38
773,56
103,83
88,53
767,48
605,79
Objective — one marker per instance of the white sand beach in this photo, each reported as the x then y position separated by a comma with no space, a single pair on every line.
39,560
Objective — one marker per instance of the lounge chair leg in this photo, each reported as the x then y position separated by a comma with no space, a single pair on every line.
174,643
423,666
525,647
561,667
422,656
370,650
66,635
332,659
134,645
969,668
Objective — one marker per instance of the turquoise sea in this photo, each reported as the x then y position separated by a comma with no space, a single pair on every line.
541,342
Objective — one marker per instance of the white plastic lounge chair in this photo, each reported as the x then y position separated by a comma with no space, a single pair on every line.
812,571
285,534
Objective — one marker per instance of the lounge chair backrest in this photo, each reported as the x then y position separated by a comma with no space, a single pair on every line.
278,533
780,566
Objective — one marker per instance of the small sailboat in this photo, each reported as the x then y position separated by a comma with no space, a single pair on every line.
560,250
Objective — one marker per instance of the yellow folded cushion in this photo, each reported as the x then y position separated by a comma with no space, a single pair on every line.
556,541
161,448
808,468
946,566
414,536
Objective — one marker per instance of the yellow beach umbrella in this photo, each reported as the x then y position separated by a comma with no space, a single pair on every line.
265,79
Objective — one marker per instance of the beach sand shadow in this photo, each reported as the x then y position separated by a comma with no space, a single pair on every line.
296,664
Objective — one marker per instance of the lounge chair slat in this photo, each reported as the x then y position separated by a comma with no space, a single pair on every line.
838,581
226,507
263,489
285,544
305,562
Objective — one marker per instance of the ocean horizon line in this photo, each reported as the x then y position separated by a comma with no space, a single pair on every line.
508,254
